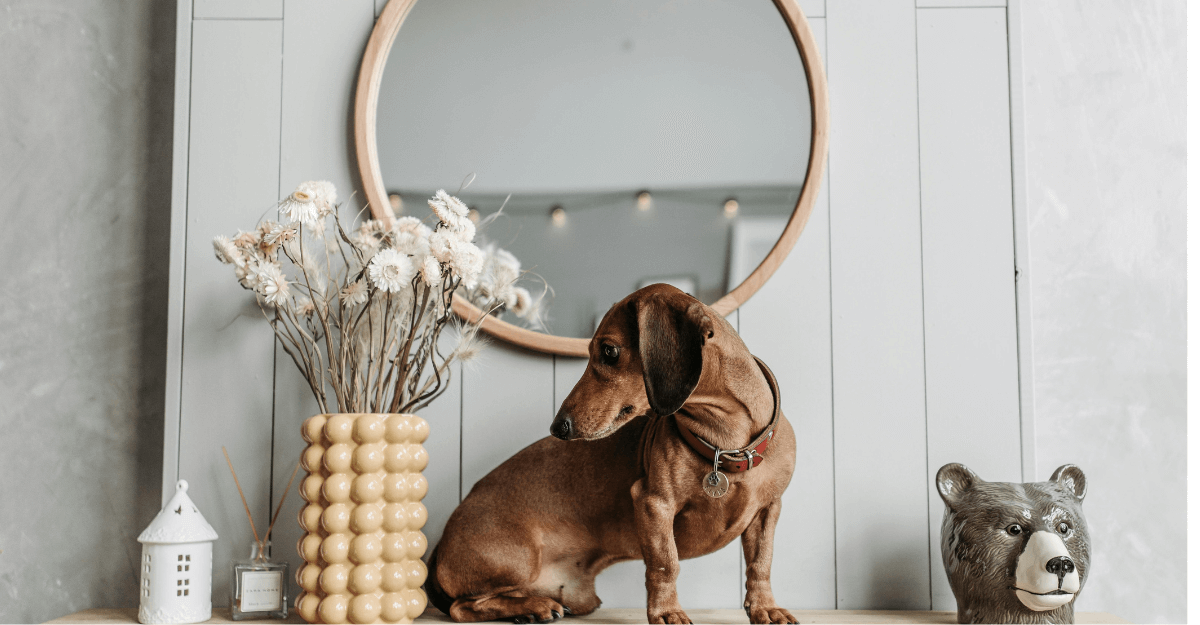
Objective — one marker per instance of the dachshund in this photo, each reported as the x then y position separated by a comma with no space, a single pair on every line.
630,474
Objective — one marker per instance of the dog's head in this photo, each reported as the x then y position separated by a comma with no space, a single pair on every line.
647,354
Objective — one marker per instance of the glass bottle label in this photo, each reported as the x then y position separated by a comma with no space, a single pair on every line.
262,591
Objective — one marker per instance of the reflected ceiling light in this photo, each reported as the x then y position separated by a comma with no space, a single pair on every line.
731,207
396,202
644,200
558,216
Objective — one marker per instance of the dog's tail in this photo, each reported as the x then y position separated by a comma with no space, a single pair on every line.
435,593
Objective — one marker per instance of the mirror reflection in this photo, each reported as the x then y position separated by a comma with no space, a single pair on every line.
629,142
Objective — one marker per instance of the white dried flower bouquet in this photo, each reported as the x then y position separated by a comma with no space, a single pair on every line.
362,313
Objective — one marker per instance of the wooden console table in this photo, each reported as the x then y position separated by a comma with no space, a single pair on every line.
621,615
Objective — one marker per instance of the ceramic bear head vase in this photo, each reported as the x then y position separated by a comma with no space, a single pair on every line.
1014,553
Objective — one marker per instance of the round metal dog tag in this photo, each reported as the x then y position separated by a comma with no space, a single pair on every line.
716,484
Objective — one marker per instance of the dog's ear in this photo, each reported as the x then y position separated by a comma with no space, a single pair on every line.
953,480
1071,478
671,337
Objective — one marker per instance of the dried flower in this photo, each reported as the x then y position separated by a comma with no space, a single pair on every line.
383,355
466,260
324,195
390,271
409,224
354,293
431,272
448,208
440,245
279,234
301,206
227,252
271,284
523,302
305,307
500,271
247,240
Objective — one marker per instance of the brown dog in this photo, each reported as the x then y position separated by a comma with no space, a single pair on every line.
529,539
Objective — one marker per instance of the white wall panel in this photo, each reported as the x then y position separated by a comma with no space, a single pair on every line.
322,43
875,260
967,225
238,9
228,350
507,404
799,354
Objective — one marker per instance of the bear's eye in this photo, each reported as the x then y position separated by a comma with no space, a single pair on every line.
1063,527
1015,529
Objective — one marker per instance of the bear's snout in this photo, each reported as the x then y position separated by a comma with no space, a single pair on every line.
1046,576
1060,566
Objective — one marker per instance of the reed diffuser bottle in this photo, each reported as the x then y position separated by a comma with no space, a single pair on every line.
259,586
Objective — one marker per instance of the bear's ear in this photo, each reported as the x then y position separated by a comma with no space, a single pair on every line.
953,480
1071,478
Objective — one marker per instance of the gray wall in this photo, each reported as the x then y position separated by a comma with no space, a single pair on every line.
85,161
84,156
1105,157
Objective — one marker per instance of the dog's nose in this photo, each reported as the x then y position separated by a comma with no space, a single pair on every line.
561,428
1060,566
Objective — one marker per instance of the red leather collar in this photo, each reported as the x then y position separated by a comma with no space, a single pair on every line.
748,457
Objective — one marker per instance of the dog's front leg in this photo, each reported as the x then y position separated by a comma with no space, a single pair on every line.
757,542
654,516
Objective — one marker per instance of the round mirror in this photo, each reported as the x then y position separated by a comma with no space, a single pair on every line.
608,145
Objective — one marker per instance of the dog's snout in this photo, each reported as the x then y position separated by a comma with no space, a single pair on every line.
561,428
1060,566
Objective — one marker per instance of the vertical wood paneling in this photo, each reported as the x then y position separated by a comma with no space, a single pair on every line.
227,348
875,260
322,45
799,353
172,403
507,404
890,326
967,221
813,8
239,9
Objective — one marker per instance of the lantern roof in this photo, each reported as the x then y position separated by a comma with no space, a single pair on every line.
178,522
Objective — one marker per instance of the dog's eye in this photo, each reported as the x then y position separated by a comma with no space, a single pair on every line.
1015,529
1063,527
610,352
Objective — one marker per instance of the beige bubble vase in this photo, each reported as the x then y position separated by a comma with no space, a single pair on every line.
363,544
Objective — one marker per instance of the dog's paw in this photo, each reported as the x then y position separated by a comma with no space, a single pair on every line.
769,615
670,617
541,610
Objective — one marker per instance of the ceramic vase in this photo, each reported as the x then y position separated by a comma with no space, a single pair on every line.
363,544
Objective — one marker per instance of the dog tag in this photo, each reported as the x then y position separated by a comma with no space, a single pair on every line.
715,484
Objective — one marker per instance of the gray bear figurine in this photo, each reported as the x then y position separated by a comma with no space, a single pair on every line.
1014,553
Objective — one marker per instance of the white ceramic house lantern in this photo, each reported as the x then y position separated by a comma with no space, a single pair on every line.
177,563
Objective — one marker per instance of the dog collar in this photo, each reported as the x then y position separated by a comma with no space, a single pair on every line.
748,457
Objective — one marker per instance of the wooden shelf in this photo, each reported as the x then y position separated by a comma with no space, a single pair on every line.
620,615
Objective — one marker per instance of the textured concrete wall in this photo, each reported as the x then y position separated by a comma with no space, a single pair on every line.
1105,154
85,136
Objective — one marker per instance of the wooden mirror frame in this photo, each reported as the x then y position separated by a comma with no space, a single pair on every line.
366,102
